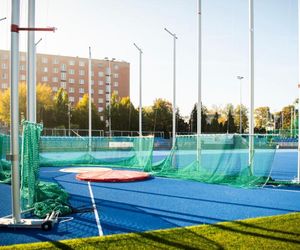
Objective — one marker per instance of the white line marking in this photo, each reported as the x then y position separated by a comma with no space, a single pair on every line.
95,210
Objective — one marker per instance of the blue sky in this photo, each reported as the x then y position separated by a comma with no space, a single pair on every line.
111,27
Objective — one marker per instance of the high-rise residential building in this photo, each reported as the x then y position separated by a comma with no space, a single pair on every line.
71,73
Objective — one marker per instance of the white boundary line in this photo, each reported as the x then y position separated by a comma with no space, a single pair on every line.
281,190
95,210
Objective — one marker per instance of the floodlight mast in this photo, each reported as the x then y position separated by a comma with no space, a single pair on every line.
174,86
240,78
251,85
140,91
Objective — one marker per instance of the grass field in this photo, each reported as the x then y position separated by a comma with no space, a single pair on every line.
274,232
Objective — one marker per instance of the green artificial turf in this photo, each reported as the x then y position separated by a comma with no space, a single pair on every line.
275,232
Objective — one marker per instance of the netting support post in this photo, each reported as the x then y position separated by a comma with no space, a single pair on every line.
14,112
31,67
90,100
251,85
199,104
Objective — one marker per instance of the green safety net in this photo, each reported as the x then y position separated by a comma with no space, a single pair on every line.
42,197
220,159
127,152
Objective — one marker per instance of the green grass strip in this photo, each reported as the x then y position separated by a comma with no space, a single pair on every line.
274,232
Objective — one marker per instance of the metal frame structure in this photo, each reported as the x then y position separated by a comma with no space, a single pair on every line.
174,86
140,91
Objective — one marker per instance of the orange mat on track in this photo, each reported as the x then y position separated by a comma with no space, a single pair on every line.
113,176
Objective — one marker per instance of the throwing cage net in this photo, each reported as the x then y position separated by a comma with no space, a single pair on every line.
220,159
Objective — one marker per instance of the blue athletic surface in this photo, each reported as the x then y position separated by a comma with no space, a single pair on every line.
157,203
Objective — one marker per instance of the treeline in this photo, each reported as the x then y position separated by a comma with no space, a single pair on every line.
55,111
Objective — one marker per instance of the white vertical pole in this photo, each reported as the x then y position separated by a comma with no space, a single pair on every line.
14,111
241,107
90,100
109,89
140,91
251,79
31,85
140,97
298,177
199,104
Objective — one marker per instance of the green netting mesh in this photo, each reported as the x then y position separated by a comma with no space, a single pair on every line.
128,152
5,169
220,159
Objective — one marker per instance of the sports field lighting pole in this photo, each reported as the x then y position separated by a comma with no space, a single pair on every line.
240,78
90,100
140,91
298,177
174,86
251,81
109,91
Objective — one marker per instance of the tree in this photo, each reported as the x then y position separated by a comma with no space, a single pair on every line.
229,124
80,115
244,117
44,101
261,117
61,108
193,119
215,127
181,124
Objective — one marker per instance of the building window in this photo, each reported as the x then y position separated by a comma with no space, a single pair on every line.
107,96
107,88
100,91
81,63
71,80
23,78
44,60
4,76
81,90
81,81
100,65
55,79
107,79
100,109
71,90
23,58
80,98
55,61
116,92
45,69
55,70
100,74
44,78
116,84
116,66
71,98
102,118
100,83
22,67
63,76
100,100
116,75
92,82
4,86
92,91
71,71
107,71
63,67
72,62
4,57
63,85
81,72
92,73
54,89
4,66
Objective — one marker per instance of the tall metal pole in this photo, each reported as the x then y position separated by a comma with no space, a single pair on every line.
14,111
174,87
90,100
240,78
140,91
298,177
251,79
31,67
109,102
199,104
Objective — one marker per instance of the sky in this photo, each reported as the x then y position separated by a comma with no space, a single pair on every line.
111,27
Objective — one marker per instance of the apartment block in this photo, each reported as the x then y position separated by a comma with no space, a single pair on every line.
71,73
